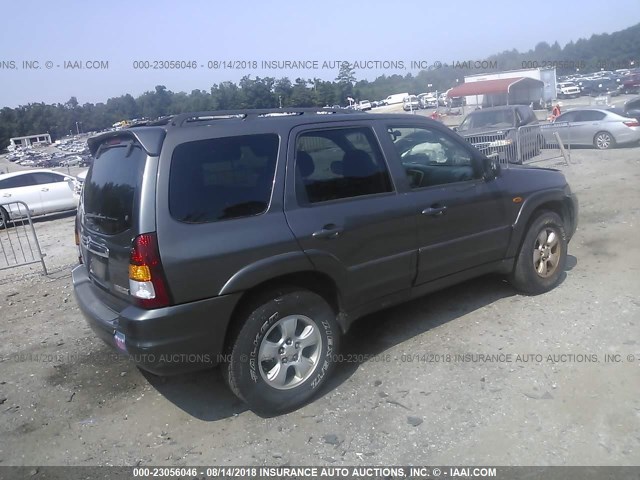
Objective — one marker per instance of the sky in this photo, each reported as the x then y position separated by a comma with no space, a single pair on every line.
121,35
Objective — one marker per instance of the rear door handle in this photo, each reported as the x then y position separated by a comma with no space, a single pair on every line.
434,211
328,232
6,195
45,189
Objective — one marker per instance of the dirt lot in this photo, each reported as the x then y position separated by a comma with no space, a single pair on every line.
65,399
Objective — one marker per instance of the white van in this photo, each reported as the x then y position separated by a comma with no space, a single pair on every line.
395,98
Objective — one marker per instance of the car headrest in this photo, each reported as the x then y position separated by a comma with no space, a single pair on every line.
357,163
305,164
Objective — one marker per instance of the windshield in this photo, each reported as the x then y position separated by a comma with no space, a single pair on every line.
491,118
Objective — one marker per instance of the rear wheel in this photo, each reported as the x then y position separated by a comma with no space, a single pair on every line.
284,351
603,141
542,256
4,218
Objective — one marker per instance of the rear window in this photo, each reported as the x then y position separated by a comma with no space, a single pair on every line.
488,118
111,189
222,178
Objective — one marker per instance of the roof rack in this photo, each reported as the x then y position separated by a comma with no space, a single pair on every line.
195,117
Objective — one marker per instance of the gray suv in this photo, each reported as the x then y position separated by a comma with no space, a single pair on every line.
253,239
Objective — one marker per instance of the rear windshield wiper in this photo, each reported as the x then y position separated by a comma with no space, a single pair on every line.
101,217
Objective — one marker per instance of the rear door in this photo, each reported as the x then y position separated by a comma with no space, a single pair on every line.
109,214
346,213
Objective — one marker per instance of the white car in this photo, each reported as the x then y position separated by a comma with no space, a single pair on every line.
364,105
44,191
567,90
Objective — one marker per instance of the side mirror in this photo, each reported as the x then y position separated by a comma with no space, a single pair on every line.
491,167
455,129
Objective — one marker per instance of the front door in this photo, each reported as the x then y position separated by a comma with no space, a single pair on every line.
461,217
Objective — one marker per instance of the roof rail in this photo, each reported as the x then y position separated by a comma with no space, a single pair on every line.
207,116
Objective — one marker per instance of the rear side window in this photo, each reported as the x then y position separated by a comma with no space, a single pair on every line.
46,177
339,163
222,178
112,188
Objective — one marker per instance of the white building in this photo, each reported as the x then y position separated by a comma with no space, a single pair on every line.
40,138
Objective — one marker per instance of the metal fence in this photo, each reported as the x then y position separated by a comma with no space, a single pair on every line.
526,144
19,243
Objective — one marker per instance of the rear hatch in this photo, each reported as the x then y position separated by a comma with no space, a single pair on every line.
109,218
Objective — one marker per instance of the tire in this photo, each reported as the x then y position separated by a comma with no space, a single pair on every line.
543,255
603,141
4,218
264,367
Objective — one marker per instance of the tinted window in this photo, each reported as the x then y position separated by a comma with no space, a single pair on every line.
488,118
429,157
112,187
567,117
46,177
18,181
222,178
589,116
339,163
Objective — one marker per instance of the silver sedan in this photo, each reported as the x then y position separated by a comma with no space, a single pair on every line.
592,126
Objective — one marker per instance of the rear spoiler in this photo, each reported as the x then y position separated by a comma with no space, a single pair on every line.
150,138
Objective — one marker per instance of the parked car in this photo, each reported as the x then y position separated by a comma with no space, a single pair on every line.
567,90
601,128
494,130
630,83
364,105
44,192
631,108
257,244
395,98
410,102
427,100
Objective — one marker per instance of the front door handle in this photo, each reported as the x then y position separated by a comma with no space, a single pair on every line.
45,189
328,232
6,195
434,211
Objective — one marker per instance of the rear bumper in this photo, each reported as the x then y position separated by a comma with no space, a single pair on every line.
163,341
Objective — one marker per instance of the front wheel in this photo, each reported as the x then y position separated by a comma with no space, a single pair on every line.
603,141
4,218
284,351
543,255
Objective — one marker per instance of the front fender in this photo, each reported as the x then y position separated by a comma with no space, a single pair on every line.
534,201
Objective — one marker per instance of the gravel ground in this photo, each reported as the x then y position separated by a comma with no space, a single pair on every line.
549,399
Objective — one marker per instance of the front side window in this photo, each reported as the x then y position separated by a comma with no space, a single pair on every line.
430,158
339,163
589,116
24,180
222,178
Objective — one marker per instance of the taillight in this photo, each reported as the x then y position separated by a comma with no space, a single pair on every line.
147,283
632,123
77,239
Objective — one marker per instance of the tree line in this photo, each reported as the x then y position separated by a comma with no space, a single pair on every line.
596,53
